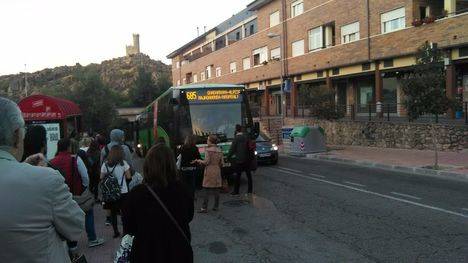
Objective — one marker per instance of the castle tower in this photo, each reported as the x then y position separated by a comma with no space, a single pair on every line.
135,48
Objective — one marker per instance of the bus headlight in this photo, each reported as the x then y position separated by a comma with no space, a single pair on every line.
256,152
139,145
274,147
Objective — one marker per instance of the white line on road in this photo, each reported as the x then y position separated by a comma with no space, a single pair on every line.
317,175
356,184
288,169
405,195
466,209
380,195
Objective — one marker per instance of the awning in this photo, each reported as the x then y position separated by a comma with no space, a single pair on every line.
43,108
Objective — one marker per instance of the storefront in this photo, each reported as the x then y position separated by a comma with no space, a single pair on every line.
61,118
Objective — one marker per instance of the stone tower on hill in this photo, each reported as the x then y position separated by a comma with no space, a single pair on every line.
135,48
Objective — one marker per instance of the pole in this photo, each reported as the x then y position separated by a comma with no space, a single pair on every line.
283,101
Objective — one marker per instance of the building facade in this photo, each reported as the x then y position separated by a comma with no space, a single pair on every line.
358,48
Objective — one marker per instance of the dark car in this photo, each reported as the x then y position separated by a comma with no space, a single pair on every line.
267,152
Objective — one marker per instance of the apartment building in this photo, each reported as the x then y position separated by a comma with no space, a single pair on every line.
359,48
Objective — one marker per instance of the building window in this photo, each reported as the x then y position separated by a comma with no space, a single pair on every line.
251,28
298,48
350,33
274,19
208,72
388,63
233,67
195,78
234,35
366,66
297,8
393,20
202,76
316,38
275,54
463,52
246,63
260,55
218,72
336,71
320,74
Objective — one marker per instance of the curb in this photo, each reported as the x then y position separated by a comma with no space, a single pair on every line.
395,168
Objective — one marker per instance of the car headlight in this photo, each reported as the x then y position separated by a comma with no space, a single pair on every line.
274,147
139,145
256,152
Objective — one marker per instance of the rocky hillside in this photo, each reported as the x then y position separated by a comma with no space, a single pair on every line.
119,74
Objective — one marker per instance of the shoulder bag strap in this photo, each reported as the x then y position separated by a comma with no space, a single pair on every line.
168,213
72,174
123,178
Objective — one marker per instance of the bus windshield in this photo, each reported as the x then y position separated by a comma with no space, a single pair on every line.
217,118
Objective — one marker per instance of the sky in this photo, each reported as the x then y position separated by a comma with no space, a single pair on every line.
38,34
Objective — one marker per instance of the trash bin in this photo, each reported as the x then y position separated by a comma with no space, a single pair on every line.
305,139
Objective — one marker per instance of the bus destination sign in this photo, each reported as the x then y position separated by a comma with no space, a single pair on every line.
221,95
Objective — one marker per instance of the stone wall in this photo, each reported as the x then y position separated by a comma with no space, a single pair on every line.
379,134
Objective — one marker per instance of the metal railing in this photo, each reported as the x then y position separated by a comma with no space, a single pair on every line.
391,112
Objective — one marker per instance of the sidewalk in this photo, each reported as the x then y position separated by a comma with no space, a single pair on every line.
415,161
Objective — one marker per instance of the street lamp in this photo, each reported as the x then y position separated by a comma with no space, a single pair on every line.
283,100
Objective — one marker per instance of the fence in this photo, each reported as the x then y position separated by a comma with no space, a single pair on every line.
392,112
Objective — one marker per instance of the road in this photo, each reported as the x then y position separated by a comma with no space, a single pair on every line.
315,211
311,211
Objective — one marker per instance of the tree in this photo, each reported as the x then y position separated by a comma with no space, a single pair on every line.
145,90
96,100
424,86
321,102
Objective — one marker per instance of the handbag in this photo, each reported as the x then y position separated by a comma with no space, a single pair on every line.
86,199
123,252
168,213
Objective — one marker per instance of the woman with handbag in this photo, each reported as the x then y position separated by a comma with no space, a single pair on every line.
74,170
158,212
212,181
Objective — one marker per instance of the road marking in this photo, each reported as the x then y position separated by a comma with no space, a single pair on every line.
289,169
380,195
466,209
356,184
405,195
317,175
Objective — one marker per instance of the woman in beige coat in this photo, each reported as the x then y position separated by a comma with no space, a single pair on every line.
212,180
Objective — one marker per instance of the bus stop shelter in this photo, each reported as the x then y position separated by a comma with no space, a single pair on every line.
60,117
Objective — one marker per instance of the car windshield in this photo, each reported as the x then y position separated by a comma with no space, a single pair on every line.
215,118
262,138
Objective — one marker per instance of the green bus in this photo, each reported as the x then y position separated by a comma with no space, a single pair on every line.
198,110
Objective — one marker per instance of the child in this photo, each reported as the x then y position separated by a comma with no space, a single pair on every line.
212,180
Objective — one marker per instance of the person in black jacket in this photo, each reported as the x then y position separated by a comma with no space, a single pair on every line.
240,157
188,167
156,237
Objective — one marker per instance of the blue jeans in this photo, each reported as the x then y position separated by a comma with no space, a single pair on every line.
89,225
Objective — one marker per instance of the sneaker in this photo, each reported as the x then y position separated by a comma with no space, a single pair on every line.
96,242
203,211
108,222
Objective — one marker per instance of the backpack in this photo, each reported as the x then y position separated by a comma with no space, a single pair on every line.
110,187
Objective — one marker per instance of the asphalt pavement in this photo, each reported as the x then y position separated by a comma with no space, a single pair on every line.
314,211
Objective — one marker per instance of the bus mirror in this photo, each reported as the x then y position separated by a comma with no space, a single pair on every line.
174,101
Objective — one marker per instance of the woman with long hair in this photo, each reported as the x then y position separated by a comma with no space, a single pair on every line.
158,212
188,167
116,166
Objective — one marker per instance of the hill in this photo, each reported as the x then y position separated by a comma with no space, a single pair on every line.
119,74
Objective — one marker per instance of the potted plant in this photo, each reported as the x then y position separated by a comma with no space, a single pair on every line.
417,22
429,19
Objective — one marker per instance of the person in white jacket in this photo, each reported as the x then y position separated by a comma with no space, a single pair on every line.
37,210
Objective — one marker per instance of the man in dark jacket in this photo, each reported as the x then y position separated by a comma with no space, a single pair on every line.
240,158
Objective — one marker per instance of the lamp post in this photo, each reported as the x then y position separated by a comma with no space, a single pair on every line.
283,97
